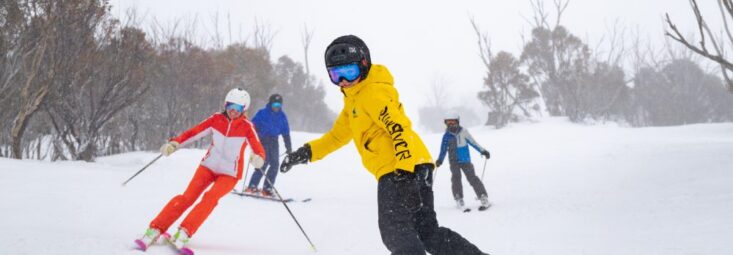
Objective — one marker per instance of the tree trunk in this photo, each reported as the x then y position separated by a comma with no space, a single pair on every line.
16,134
88,153
21,121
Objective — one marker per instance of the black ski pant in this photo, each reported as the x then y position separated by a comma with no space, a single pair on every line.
407,219
478,186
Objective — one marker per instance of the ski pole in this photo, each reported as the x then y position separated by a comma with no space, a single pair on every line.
244,183
143,169
435,175
313,247
484,171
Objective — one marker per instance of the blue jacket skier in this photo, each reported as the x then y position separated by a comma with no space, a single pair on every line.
270,122
455,143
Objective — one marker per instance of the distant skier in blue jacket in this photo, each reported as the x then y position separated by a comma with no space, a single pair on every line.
270,122
455,142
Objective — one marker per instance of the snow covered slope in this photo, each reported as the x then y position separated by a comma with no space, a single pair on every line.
557,188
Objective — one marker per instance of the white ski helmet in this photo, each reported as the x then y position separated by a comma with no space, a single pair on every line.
452,116
238,96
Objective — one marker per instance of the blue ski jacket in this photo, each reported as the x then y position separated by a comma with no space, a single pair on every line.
272,124
456,145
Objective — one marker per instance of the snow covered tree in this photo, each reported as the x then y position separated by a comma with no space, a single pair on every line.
108,77
554,60
304,103
26,40
507,90
680,93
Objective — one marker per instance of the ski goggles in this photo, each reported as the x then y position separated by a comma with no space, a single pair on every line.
451,122
233,106
276,105
348,72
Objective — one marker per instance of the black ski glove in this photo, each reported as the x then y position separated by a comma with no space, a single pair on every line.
406,184
486,154
438,163
300,156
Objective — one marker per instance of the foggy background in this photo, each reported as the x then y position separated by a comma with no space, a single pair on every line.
82,79
426,41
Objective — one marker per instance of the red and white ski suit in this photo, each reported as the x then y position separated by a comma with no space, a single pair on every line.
221,166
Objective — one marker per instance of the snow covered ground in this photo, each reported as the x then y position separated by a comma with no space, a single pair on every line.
557,188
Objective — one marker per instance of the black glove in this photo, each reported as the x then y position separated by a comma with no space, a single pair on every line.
406,184
486,154
301,156
438,163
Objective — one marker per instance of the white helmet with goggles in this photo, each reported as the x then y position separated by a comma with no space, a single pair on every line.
238,96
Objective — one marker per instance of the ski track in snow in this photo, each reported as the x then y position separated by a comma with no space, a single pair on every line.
557,188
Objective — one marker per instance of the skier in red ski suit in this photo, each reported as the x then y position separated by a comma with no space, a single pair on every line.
231,132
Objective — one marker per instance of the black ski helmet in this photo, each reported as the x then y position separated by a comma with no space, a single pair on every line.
349,49
276,98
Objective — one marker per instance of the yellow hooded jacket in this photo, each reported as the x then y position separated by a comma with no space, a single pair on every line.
373,117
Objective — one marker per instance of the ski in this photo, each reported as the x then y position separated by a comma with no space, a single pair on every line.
140,245
286,200
181,251
467,209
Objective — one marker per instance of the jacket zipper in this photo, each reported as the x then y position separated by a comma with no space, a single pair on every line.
226,135
228,127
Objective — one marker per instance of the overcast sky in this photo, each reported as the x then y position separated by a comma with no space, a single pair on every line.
417,40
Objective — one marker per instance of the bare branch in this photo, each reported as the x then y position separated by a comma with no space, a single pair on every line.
305,38
540,15
263,35
725,18
560,6
484,44
704,30
677,36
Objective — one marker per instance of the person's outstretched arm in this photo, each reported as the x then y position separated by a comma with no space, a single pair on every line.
286,135
191,135
475,145
443,150
196,132
258,152
337,137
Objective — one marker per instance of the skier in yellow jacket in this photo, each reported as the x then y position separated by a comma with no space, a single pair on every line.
374,118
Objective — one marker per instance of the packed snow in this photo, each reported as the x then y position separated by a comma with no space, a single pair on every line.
557,188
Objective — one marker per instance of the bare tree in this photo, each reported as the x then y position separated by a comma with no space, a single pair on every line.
112,79
263,35
305,38
437,95
541,16
718,42
32,94
507,87
484,44
35,86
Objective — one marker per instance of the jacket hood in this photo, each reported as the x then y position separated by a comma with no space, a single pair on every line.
377,74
